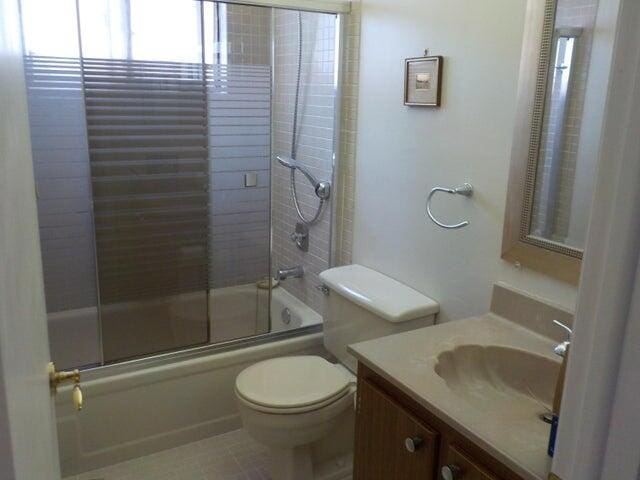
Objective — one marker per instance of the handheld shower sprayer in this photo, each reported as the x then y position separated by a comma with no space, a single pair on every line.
321,188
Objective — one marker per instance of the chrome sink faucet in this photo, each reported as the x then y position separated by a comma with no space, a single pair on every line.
561,348
291,272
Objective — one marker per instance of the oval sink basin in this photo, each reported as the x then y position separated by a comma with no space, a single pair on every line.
494,378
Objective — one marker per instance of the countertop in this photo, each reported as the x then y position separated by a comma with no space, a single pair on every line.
407,360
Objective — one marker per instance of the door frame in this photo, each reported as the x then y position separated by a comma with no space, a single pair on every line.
599,427
28,438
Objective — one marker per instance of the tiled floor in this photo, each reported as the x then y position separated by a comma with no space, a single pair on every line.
231,456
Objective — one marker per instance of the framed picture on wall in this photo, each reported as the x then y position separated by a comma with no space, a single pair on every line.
423,81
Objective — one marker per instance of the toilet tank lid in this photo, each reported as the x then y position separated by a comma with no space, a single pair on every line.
378,293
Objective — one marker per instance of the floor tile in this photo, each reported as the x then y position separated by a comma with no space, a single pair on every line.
230,456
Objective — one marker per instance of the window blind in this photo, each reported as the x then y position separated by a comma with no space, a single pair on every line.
61,169
147,132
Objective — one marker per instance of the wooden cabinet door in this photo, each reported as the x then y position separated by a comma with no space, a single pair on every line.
382,428
465,466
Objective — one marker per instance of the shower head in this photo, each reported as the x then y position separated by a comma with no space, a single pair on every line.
286,161
291,163
322,189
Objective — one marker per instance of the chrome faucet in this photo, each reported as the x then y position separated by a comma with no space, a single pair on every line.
293,272
561,348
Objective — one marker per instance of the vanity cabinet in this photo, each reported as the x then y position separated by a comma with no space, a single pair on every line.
459,465
392,443
398,439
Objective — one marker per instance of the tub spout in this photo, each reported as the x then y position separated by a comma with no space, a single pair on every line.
291,272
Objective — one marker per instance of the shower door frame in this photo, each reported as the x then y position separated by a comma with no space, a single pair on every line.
91,372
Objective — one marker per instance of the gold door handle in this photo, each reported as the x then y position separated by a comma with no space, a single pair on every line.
58,377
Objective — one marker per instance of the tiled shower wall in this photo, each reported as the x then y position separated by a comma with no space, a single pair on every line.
248,35
314,142
240,144
346,167
570,13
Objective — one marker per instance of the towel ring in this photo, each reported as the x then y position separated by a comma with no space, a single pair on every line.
465,189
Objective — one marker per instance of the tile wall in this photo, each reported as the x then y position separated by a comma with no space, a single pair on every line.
314,142
248,34
239,145
346,167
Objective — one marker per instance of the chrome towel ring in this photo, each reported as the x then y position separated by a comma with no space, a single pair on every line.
465,189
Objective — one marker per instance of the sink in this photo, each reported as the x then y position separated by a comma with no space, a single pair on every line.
502,380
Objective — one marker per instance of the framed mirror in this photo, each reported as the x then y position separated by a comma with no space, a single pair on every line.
551,176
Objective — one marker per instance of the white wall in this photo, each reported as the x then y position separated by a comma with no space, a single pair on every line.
403,152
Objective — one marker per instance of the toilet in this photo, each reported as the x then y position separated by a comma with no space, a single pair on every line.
302,407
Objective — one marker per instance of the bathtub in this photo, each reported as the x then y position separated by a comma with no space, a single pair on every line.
288,312
235,312
147,405
240,311
74,337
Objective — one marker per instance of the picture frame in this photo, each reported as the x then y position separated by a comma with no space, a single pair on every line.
423,81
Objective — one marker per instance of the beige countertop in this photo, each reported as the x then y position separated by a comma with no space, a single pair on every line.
408,359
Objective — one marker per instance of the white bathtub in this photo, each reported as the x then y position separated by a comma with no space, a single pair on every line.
240,311
236,312
132,411
74,338
288,312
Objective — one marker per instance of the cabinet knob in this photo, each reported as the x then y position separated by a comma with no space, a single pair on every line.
413,443
451,472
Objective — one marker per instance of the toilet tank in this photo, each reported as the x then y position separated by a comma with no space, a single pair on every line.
364,304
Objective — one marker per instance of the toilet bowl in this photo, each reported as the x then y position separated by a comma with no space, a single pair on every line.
302,407
290,404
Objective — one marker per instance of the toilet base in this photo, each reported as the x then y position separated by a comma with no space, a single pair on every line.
329,458
313,444
297,464
291,463
340,468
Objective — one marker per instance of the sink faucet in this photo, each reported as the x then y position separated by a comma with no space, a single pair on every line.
293,272
561,348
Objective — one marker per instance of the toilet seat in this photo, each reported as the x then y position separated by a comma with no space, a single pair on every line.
289,385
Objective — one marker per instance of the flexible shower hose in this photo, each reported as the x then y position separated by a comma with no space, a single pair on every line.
294,149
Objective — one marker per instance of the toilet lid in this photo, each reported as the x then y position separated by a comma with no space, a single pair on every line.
290,382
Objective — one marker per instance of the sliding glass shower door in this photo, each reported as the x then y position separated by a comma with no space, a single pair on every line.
152,126
146,116
238,67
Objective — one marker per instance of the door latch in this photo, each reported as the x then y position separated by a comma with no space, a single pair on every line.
57,378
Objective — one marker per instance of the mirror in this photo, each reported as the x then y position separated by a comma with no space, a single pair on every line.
561,184
551,178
